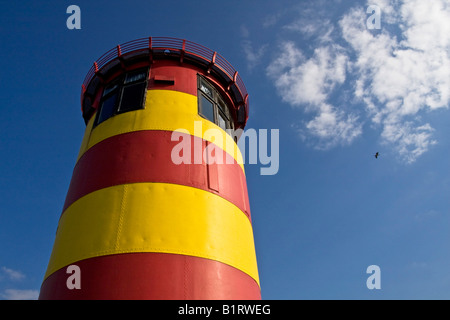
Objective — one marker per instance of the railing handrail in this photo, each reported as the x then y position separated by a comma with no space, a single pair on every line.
169,43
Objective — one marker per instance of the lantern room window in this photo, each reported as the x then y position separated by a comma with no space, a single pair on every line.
207,108
124,94
211,106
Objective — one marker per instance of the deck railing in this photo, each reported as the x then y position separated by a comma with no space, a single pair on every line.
174,45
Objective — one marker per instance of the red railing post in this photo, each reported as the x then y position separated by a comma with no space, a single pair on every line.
212,62
83,90
183,50
150,50
246,106
232,81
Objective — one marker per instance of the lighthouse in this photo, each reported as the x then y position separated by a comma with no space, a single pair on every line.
147,214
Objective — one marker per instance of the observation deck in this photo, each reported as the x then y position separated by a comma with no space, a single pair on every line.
146,50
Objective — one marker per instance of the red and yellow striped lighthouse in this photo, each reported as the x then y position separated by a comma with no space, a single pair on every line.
135,223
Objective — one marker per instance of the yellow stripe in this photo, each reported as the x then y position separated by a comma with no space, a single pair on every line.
164,110
143,217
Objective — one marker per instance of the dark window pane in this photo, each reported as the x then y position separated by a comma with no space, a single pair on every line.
241,114
222,121
132,97
206,89
139,75
207,109
108,108
223,106
109,89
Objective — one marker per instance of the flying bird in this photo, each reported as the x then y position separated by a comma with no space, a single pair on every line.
376,155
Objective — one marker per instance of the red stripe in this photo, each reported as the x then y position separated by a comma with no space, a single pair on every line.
184,78
135,276
145,156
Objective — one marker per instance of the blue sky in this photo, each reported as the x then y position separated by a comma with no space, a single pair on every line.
337,91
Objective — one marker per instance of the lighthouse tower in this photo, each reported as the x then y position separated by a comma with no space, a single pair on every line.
147,216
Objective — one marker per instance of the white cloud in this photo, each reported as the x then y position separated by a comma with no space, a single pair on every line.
245,33
398,79
11,274
253,55
271,19
424,216
426,24
14,294
333,126
410,141
388,9
320,30
307,83
397,73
